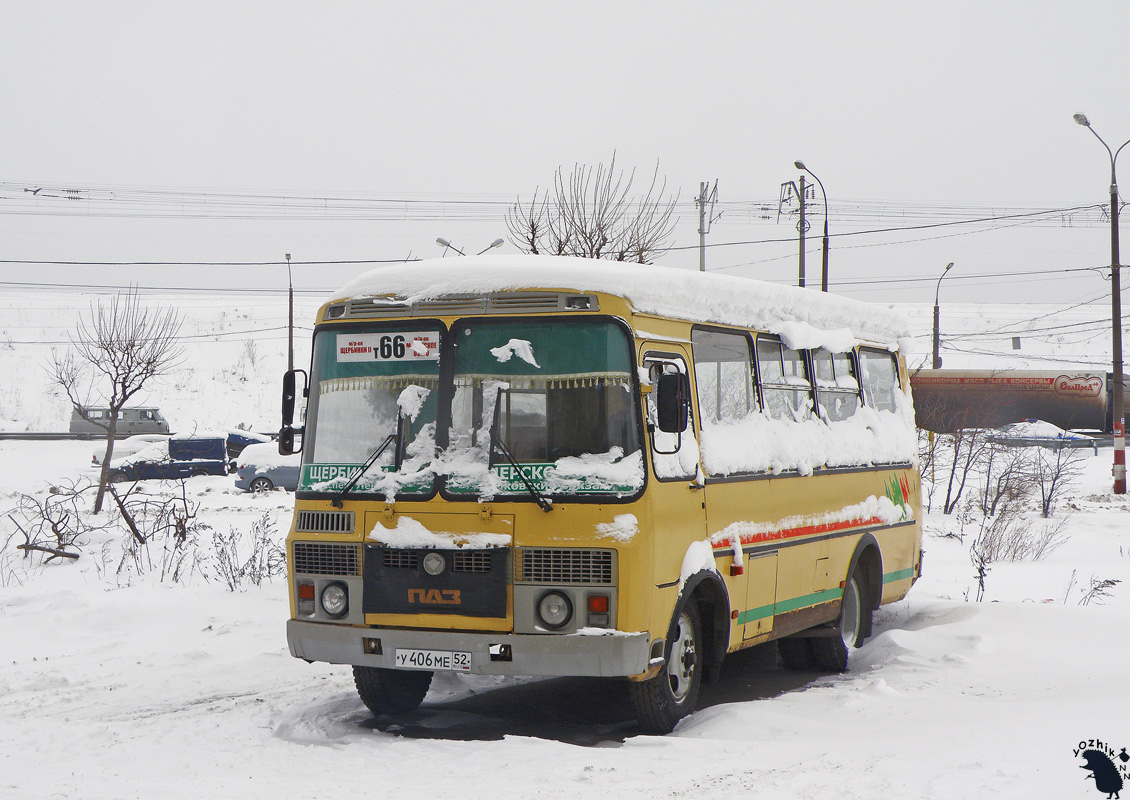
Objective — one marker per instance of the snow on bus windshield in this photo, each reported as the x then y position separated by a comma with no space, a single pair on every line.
555,397
363,383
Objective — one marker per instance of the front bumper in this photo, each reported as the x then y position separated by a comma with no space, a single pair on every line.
608,655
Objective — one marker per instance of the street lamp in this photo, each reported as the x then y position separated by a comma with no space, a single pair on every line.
1117,411
824,262
937,362
445,244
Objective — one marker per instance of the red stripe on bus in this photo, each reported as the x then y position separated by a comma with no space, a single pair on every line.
803,530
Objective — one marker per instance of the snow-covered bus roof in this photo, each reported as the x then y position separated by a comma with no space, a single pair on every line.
805,318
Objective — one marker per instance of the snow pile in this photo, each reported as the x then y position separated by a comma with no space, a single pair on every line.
622,528
758,443
411,533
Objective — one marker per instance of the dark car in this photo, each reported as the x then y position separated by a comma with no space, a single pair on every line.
261,468
178,457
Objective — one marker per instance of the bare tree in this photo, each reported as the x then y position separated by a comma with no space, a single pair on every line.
113,356
590,213
1053,470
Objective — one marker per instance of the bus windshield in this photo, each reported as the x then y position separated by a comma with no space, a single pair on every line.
369,388
550,398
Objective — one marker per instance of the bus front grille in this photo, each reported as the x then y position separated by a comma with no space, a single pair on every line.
315,558
564,565
324,522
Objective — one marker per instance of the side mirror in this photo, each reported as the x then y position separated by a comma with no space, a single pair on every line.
289,397
672,402
290,393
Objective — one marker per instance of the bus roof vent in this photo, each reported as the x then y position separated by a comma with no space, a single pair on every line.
465,304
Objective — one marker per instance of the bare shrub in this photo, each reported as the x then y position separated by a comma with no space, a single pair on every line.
1099,591
260,559
54,524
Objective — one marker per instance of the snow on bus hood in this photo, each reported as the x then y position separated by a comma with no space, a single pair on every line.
801,316
411,533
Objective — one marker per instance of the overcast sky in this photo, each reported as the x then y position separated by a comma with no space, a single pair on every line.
954,110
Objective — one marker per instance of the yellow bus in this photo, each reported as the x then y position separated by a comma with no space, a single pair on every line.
533,465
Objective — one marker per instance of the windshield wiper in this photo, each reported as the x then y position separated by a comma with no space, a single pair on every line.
540,498
496,441
392,437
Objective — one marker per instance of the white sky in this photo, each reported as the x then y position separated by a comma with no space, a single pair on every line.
955,105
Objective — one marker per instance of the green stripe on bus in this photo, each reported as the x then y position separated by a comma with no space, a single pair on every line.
901,575
789,605
754,614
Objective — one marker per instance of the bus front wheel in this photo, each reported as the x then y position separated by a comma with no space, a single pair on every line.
660,702
391,691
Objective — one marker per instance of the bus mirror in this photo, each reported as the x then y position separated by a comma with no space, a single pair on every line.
290,393
672,402
286,441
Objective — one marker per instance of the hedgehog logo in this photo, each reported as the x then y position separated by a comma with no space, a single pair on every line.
1103,766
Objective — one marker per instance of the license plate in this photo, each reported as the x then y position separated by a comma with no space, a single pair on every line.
456,661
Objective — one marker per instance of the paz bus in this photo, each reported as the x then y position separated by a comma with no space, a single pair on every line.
536,465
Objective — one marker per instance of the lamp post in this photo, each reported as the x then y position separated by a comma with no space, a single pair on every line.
290,317
1117,410
937,362
824,260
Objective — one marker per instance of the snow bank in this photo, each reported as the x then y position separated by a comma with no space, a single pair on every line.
818,319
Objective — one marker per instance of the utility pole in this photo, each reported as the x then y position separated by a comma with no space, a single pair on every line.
1118,413
802,227
789,190
705,218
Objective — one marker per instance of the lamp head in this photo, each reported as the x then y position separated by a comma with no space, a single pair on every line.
443,242
800,165
1082,120
948,267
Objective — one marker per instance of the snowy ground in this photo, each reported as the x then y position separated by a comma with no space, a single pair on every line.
123,685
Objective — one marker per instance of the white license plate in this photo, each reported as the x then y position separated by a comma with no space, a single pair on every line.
456,661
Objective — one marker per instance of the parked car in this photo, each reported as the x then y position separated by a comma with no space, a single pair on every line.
130,421
260,468
239,439
129,445
1037,433
176,457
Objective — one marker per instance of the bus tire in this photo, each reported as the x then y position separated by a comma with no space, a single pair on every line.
391,691
660,702
795,653
830,653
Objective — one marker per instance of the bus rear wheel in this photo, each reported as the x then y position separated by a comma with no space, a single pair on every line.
391,691
660,702
830,653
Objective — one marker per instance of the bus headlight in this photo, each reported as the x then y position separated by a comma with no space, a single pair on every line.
335,600
555,610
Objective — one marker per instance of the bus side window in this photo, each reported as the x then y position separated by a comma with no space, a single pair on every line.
879,372
723,372
837,390
784,380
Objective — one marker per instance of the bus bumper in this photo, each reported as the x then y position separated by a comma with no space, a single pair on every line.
613,654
